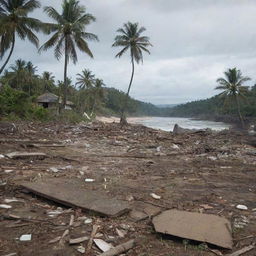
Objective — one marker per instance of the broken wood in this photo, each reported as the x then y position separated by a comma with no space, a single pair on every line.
120,249
78,240
94,231
24,155
242,251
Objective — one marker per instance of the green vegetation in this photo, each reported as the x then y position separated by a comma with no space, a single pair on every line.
233,89
69,32
130,39
15,20
219,108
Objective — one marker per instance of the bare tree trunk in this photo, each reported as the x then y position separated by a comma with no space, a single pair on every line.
65,75
239,112
10,54
123,120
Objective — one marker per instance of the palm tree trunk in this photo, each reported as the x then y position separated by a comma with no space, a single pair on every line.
65,74
123,120
239,112
10,54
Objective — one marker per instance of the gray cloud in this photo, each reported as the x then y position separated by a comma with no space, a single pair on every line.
194,42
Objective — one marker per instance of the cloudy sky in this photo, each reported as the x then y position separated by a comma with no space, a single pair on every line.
194,41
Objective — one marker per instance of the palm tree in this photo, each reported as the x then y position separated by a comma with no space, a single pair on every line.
14,20
69,32
130,38
48,81
30,75
17,75
85,80
97,93
233,88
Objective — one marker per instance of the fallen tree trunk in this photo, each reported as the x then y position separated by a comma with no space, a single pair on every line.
120,248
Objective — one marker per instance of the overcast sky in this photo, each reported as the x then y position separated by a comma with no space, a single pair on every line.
194,41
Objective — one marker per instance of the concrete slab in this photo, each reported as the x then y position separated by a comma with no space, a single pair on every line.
72,194
24,155
195,226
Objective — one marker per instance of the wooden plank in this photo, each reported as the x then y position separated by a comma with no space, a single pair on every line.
195,226
72,194
24,155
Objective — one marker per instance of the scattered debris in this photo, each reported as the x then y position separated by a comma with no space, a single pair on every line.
102,245
155,196
26,237
119,249
195,226
137,215
89,180
242,207
2,156
77,197
78,240
81,249
11,200
242,251
8,171
94,232
54,169
55,240
5,206
121,233
24,155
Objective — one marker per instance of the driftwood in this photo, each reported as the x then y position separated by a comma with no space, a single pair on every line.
119,249
242,251
94,232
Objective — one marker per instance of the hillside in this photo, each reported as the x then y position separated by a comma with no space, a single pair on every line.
217,108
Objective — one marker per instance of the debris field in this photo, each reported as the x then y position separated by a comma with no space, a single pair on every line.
102,189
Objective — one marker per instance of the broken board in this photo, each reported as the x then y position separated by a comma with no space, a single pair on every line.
24,155
72,194
195,226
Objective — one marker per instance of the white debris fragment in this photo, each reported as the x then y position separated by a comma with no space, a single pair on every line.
102,245
1,156
213,158
158,149
88,221
8,171
81,173
11,200
81,249
174,146
89,180
121,233
54,213
5,206
242,207
155,196
54,169
26,237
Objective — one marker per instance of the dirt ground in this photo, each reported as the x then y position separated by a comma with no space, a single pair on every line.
199,172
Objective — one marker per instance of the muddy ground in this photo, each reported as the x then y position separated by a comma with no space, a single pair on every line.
199,172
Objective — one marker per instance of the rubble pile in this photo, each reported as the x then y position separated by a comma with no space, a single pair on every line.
101,189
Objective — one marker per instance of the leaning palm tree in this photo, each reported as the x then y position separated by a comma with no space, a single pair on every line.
14,21
130,38
233,88
69,32
85,80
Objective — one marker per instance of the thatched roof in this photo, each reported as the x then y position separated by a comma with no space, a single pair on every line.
48,98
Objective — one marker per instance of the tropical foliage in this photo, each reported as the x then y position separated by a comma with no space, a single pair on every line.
233,88
69,32
14,21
